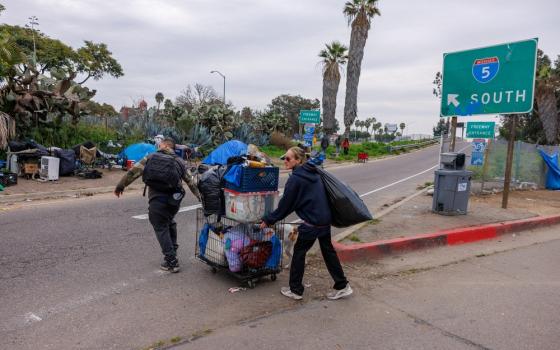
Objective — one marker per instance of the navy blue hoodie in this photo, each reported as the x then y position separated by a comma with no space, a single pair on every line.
305,194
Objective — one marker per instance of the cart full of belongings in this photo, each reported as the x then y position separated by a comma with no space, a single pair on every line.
238,186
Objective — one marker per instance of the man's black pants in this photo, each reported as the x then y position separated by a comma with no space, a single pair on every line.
161,216
329,256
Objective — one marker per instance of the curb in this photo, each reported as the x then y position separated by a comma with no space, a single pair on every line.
457,236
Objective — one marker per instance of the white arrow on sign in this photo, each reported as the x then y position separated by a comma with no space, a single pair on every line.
452,98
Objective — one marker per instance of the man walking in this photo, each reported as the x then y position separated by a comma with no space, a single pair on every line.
162,172
324,143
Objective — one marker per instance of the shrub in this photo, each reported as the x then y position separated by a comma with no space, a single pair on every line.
280,140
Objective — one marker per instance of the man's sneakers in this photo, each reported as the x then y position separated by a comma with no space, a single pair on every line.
170,265
288,293
337,294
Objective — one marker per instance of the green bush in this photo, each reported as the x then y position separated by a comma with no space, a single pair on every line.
67,135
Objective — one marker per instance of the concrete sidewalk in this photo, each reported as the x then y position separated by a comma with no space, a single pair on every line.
413,225
506,300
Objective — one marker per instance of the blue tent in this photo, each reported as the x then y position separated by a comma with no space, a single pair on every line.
229,149
137,151
553,173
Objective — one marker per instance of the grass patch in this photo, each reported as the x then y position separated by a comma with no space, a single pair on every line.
155,345
374,221
354,238
272,151
175,339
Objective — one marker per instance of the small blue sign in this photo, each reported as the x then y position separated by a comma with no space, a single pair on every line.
477,158
485,69
477,155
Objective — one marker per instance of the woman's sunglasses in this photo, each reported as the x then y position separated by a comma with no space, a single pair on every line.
287,159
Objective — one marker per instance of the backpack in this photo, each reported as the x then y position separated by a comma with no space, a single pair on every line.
163,172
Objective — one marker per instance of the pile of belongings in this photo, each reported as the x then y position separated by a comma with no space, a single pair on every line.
220,165
241,248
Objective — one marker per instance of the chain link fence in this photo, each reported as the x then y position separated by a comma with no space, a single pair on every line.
528,168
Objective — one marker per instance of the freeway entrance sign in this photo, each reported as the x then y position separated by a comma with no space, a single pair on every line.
310,116
497,79
480,130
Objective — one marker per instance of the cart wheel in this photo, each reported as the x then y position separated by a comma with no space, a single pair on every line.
273,277
214,270
251,284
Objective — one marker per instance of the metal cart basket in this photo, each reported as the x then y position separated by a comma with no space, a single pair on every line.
239,248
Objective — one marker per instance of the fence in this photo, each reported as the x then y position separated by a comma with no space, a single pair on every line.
527,167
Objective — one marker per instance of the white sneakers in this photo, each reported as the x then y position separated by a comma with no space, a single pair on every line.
337,294
334,295
288,293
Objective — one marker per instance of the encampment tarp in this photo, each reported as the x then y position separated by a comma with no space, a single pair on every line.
137,151
553,173
220,155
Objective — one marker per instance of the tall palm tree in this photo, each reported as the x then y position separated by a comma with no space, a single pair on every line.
402,126
375,126
334,57
547,85
359,14
159,100
367,124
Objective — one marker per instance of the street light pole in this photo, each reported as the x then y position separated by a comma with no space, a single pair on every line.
223,76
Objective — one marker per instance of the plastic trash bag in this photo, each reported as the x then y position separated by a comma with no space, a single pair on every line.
553,173
347,208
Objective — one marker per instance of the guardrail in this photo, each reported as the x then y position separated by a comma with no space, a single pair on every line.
411,145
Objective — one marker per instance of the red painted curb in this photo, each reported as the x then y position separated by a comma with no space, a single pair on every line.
445,237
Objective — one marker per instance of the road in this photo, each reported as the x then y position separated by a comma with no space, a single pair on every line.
83,273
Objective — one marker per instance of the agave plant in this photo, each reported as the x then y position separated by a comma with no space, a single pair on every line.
200,136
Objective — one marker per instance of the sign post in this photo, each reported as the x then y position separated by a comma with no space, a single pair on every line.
480,130
497,79
309,118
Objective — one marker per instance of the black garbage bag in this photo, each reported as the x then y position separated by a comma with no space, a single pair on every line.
347,208
211,188
17,146
67,161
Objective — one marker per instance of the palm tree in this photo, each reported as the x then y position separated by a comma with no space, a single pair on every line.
359,14
402,126
334,57
159,100
548,80
367,124
375,126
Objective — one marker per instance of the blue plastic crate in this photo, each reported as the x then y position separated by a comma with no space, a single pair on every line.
256,180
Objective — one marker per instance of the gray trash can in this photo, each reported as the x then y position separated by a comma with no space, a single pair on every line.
452,186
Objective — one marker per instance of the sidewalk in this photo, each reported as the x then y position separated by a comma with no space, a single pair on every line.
413,225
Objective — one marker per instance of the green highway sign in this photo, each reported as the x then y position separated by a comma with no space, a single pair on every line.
497,79
480,130
310,116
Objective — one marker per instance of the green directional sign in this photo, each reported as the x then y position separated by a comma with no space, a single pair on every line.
497,79
310,116
480,130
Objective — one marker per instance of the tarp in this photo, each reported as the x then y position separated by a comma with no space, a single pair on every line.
67,161
137,151
553,173
229,149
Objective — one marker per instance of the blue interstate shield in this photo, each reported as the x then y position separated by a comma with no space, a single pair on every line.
485,69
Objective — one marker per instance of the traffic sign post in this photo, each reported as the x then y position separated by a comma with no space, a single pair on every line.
478,151
497,79
310,116
480,130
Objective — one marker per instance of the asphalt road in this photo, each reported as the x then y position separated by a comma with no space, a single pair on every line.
83,273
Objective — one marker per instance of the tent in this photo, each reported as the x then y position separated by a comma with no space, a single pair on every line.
220,155
137,151
553,173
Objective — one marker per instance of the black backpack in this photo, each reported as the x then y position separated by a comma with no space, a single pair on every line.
163,172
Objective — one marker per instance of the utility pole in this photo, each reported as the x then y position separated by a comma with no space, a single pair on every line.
223,76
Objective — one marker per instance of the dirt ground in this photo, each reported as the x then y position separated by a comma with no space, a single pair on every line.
110,178
416,217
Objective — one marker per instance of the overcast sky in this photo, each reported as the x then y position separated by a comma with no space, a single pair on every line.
266,48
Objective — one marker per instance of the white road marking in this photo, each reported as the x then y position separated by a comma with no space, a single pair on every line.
30,317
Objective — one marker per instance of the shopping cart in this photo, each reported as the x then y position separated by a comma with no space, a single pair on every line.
239,248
